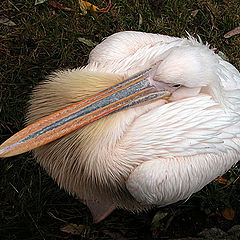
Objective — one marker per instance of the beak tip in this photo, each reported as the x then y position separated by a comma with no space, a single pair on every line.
7,151
3,152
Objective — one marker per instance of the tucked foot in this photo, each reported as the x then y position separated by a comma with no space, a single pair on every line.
99,210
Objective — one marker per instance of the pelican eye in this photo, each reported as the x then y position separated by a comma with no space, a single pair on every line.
177,85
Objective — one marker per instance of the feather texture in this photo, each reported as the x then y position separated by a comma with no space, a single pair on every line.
152,154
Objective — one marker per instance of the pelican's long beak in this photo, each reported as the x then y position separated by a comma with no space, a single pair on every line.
134,90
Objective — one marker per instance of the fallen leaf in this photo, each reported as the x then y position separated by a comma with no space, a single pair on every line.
60,6
88,42
232,33
74,229
228,213
39,2
7,22
221,180
84,6
159,216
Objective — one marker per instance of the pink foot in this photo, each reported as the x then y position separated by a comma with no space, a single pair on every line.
99,210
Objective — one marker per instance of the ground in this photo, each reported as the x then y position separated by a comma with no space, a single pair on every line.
45,38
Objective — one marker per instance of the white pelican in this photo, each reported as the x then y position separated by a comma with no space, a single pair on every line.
148,154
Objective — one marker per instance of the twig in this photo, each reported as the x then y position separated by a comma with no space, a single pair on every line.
35,224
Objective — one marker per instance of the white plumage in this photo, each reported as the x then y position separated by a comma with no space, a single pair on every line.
187,143
151,154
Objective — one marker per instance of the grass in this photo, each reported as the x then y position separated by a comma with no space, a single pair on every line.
45,39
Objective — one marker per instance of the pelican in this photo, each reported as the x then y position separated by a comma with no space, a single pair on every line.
150,120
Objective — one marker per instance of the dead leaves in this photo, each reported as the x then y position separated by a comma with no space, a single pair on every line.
84,6
221,180
228,213
232,33
74,229
87,6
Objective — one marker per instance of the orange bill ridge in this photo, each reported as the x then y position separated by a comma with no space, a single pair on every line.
137,89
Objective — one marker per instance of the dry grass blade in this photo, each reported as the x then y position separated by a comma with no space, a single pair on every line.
40,1
7,22
60,6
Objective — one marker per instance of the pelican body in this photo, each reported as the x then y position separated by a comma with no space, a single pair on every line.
149,121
